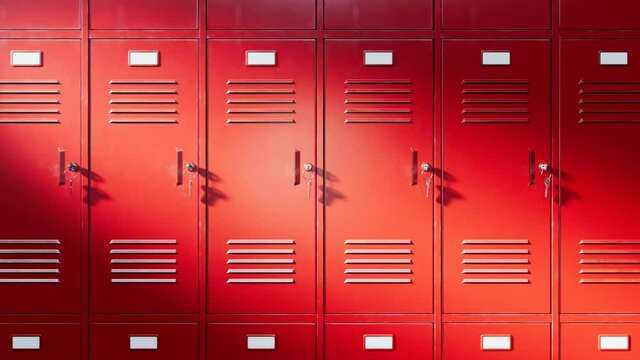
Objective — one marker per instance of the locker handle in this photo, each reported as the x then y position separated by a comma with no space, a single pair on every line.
414,167
61,166
532,169
296,168
179,171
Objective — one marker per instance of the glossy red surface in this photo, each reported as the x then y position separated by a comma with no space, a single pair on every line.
249,14
599,248
56,341
377,118
375,14
611,14
144,14
496,14
40,238
496,217
37,14
583,341
134,193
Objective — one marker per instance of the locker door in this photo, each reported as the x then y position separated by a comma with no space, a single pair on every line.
40,341
376,14
261,195
379,341
496,14
40,14
600,247
144,199
379,152
597,341
261,341
262,15
143,341
40,227
496,160
144,14
496,341
599,14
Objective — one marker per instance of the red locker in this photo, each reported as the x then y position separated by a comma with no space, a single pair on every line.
40,14
610,14
378,14
597,341
40,226
143,14
40,341
143,341
496,341
496,14
144,192
261,179
600,246
378,341
496,162
261,341
261,15
378,153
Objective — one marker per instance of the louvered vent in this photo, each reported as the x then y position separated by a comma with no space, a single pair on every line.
496,261
30,102
610,261
378,261
29,261
143,261
378,101
495,101
143,102
261,101
261,261
609,101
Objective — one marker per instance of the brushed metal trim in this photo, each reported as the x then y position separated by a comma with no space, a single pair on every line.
29,241
495,281
144,251
143,242
378,251
144,261
377,242
260,271
260,261
29,281
259,251
260,281
143,281
377,281
378,261
260,242
378,271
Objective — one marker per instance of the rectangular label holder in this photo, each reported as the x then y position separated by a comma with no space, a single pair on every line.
496,58
496,342
144,58
378,342
260,58
143,342
261,342
613,58
614,342
378,57
25,342
26,58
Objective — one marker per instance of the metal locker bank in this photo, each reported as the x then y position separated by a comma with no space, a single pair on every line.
319,179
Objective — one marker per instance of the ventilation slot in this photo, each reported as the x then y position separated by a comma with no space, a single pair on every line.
145,101
609,261
495,101
267,103
261,261
141,261
24,261
609,101
496,261
378,261
30,102
378,101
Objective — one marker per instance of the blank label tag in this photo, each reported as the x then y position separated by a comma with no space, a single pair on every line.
143,343
261,58
496,342
261,342
26,58
144,58
378,342
25,343
378,58
613,342
614,58
496,58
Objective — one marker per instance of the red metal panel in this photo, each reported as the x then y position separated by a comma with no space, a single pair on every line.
395,341
527,341
611,14
599,341
496,14
20,14
496,214
56,341
249,14
379,126
144,218
144,14
262,200
378,14
261,341
600,249
40,137
114,341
